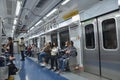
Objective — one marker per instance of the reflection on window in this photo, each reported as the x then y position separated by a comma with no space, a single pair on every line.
89,36
109,34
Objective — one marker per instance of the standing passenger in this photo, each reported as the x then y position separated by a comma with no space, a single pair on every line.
54,52
10,46
22,48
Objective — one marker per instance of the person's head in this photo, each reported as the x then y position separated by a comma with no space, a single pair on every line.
67,43
33,45
50,44
47,44
71,43
22,38
9,38
54,44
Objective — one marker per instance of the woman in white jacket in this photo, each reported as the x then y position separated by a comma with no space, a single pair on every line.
54,52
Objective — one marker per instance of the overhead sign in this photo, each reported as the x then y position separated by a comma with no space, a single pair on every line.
70,14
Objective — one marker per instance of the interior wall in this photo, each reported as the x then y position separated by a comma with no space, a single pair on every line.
75,37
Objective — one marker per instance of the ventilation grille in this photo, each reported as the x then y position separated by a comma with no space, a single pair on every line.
41,3
9,7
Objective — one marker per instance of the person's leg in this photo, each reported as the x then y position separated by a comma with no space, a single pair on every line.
12,55
30,53
47,58
56,63
52,62
60,63
41,56
63,64
22,55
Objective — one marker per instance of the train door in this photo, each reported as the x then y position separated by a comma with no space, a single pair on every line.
101,46
109,37
64,36
91,48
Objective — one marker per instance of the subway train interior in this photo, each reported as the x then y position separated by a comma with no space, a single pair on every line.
60,39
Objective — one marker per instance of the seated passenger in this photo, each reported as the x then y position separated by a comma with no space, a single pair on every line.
70,51
45,51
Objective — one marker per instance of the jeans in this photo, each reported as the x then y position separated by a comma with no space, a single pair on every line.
41,56
62,63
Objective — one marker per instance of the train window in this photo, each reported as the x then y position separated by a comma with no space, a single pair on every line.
109,34
64,36
54,38
89,35
42,42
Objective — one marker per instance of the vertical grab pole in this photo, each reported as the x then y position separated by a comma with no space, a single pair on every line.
0,34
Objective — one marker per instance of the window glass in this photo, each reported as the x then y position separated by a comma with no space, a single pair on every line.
54,38
64,36
89,36
109,34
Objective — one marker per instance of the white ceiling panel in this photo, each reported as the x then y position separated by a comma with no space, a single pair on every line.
33,10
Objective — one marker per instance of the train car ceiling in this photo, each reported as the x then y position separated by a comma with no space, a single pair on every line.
31,11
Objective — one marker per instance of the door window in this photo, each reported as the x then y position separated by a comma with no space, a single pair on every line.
109,34
89,36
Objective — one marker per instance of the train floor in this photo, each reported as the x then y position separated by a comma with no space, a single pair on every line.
31,70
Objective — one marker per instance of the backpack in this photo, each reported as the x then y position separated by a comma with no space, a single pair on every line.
74,54
12,69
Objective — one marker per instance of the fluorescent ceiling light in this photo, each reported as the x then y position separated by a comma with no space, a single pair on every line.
118,2
15,22
18,8
118,15
31,28
65,2
38,22
13,27
53,11
12,31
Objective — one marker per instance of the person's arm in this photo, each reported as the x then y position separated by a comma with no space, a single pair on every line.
7,46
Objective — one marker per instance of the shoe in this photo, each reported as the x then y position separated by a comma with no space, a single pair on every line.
59,72
56,70
50,68
42,64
